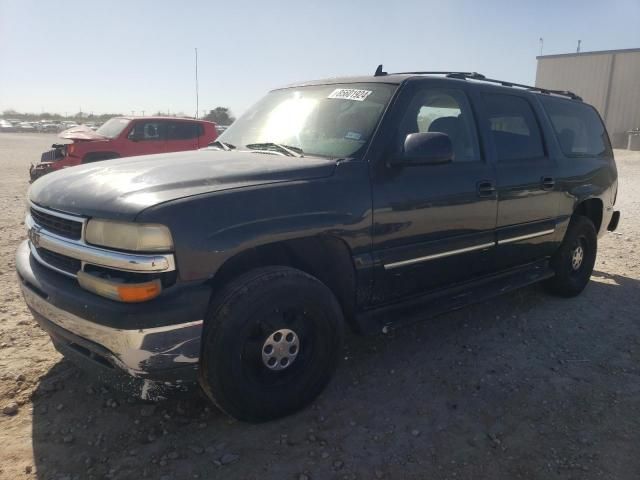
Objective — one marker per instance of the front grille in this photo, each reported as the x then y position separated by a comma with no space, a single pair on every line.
61,262
52,155
58,225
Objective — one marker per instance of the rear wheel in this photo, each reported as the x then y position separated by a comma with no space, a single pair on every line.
573,262
271,344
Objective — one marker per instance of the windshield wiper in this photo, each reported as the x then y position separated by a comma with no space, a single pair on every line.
286,149
227,147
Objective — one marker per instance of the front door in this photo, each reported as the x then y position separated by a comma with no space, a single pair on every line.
146,137
433,225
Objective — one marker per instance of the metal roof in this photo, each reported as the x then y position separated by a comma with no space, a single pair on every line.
391,79
596,52
398,78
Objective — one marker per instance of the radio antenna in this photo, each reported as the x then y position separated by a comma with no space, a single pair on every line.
197,99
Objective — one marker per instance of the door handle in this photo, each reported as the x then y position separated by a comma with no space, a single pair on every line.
548,183
486,188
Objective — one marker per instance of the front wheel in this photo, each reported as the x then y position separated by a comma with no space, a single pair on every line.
573,262
271,343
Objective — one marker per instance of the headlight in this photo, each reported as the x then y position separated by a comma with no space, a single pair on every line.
137,237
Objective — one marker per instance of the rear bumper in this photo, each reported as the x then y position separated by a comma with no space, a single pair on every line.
143,347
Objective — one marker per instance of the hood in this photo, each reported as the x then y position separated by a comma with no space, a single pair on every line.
122,188
81,133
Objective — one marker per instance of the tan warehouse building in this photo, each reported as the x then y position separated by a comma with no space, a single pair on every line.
609,80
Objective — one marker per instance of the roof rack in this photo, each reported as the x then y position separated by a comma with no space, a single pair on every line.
564,93
482,78
380,73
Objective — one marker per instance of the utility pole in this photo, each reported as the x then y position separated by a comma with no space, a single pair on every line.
197,99
541,45
578,49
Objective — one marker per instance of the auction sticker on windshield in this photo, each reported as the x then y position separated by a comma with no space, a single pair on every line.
350,94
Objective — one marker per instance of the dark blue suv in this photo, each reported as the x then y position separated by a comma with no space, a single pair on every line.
365,202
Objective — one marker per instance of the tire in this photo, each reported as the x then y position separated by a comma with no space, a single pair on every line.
571,273
241,340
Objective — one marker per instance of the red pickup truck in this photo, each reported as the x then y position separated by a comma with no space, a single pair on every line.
125,137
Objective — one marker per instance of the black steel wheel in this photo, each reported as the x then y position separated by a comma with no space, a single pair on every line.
271,344
573,262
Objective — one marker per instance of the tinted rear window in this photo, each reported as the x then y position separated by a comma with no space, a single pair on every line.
514,127
578,128
183,130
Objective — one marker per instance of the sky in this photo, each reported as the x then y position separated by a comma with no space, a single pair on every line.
123,56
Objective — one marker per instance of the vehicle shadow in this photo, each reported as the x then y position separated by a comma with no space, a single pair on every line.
524,386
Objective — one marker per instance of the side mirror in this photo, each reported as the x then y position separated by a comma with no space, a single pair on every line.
428,148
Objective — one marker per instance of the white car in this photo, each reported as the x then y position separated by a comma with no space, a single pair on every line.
26,127
6,126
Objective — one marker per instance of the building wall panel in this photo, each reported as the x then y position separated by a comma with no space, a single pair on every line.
610,81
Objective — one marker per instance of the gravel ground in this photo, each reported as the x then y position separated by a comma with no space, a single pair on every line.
525,386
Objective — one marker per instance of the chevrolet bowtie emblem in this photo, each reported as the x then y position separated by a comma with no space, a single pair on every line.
34,236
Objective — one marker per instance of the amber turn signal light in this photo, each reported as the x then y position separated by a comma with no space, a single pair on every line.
122,292
139,292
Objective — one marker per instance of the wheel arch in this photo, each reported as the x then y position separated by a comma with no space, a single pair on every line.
593,209
327,258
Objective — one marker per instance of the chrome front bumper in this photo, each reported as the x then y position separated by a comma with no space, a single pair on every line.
134,351
155,342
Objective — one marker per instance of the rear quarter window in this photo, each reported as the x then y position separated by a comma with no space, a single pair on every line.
578,128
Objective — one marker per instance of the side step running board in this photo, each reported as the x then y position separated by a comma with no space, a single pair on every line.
395,315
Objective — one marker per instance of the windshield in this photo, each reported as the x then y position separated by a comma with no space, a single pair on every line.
112,128
333,121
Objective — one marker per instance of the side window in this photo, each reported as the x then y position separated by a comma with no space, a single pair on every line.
578,128
514,128
183,130
446,111
148,131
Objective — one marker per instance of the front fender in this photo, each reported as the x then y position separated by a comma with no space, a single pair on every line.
209,229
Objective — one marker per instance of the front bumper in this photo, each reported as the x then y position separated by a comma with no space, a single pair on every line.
39,170
147,345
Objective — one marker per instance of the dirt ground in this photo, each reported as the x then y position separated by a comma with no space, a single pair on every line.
525,386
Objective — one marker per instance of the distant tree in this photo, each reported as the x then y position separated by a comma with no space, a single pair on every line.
26,116
220,115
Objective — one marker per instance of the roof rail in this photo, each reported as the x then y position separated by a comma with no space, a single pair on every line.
564,93
476,75
482,78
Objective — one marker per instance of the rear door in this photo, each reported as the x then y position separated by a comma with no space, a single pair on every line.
182,135
433,224
526,178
